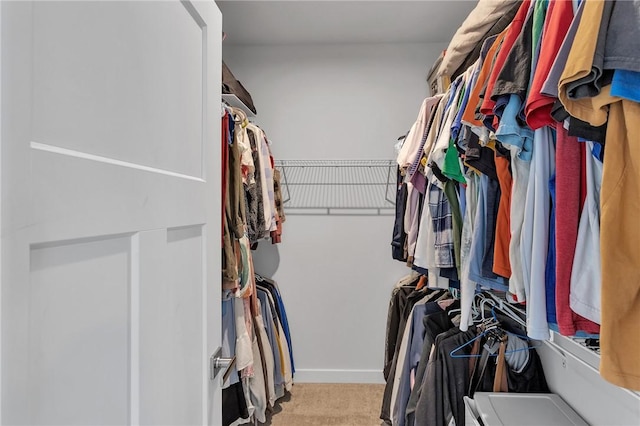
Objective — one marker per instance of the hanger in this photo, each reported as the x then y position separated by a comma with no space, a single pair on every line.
478,307
496,333
453,353
481,300
508,310
491,327
455,292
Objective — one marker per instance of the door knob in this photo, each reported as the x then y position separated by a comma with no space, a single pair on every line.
218,363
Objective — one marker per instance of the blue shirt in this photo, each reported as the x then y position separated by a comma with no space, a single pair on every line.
267,315
626,84
229,336
550,273
511,132
477,246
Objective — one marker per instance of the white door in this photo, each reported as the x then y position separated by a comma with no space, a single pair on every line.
110,124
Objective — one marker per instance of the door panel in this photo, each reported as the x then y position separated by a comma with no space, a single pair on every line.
172,325
110,290
79,331
64,204
146,101
184,251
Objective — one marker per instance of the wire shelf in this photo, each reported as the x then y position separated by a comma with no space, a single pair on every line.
234,101
347,187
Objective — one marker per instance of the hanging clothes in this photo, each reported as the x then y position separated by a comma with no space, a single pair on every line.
437,364
613,47
255,328
523,133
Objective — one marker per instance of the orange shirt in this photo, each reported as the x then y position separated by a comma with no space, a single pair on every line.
512,33
501,263
469,115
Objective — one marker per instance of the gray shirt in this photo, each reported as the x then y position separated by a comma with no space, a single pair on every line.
591,85
550,87
622,45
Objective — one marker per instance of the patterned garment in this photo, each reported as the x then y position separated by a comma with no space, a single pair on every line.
253,193
244,146
234,215
276,236
417,162
442,220
266,168
277,187
244,270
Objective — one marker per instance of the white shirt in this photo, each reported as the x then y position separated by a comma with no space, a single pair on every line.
586,275
467,286
535,233
520,174
412,218
411,143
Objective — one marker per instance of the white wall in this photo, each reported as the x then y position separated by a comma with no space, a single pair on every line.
335,272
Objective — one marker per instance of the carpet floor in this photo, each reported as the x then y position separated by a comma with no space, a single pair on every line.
311,404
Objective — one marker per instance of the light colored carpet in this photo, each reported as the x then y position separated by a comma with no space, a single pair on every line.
330,405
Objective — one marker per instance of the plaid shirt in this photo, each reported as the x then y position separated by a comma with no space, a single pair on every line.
442,220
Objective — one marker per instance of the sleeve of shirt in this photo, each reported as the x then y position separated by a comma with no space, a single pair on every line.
515,74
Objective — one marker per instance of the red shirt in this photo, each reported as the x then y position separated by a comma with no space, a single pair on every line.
513,31
538,106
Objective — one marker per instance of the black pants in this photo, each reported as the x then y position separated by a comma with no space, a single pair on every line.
234,406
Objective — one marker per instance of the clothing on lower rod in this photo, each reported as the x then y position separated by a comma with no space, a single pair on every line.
234,404
408,300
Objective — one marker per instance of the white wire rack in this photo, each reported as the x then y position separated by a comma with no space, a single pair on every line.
234,101
338,187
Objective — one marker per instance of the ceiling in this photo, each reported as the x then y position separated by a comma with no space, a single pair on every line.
306,22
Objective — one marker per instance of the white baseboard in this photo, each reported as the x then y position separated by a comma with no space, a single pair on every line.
338,376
